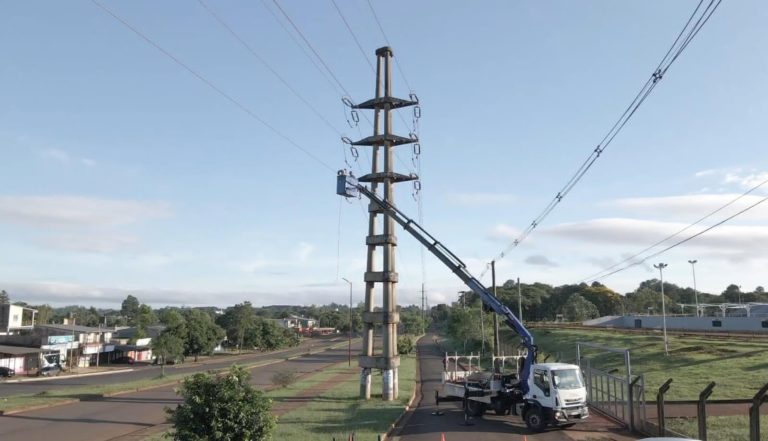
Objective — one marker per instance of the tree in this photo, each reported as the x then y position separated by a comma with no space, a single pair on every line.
44,314
605,299
145,317
202,333
130,309
578,309
4,298
732,293
237,321
168,345
222,408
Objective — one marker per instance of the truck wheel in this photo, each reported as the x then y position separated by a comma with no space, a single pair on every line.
534,419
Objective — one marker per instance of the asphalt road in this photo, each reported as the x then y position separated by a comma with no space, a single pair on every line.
120,416
146,371
422,425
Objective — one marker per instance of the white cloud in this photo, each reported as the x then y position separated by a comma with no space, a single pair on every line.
539,260
77,211
692,207
481,199
305,250
503,232
56,155
64,157
87,242
743,179
741,239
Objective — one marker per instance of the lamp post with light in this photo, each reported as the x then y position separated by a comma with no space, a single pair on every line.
661,267
695,291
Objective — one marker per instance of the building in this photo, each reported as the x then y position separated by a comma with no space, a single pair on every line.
296,322
14,319
23,360
127,344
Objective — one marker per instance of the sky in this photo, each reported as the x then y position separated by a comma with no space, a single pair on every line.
126,172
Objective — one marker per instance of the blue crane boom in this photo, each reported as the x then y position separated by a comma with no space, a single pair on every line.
348,186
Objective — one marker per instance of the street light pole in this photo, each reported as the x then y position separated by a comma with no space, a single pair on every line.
349,346
661,267
695,291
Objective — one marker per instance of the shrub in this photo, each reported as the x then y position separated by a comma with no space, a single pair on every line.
284,378
221,408
405,345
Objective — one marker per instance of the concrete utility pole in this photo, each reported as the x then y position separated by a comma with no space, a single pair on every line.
383,145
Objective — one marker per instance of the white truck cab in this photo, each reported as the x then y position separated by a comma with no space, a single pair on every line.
556,396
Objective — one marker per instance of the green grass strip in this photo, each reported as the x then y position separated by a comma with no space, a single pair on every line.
724,428
339,411
737,366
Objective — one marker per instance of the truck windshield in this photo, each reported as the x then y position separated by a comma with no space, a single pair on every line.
567,379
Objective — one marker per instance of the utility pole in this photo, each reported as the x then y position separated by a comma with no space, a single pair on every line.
496,349
661,267
382,145
695,291
423,309
519,301
349,346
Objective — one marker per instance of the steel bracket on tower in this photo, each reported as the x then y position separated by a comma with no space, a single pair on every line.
391,176
386,138
384,102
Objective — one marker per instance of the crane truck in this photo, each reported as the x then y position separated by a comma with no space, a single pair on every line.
543,394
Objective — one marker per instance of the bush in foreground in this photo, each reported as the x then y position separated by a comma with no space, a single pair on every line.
222,408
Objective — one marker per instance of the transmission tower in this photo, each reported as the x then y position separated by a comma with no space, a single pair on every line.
382,144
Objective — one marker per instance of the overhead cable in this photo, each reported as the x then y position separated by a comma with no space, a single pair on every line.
264,62
213,86
686,239
682,41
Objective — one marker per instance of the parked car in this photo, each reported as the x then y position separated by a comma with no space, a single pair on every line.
50,371
124,360
6,372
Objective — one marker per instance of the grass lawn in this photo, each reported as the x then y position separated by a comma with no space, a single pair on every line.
338,411
729,428
737,366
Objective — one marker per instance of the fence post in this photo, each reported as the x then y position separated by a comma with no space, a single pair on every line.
631,397
660,406
754,413
701,410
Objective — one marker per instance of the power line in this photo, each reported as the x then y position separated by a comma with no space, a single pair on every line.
367,60
303,49
597,276
384,34
312,48
211,85
687,238
264,62
675,50
354,37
